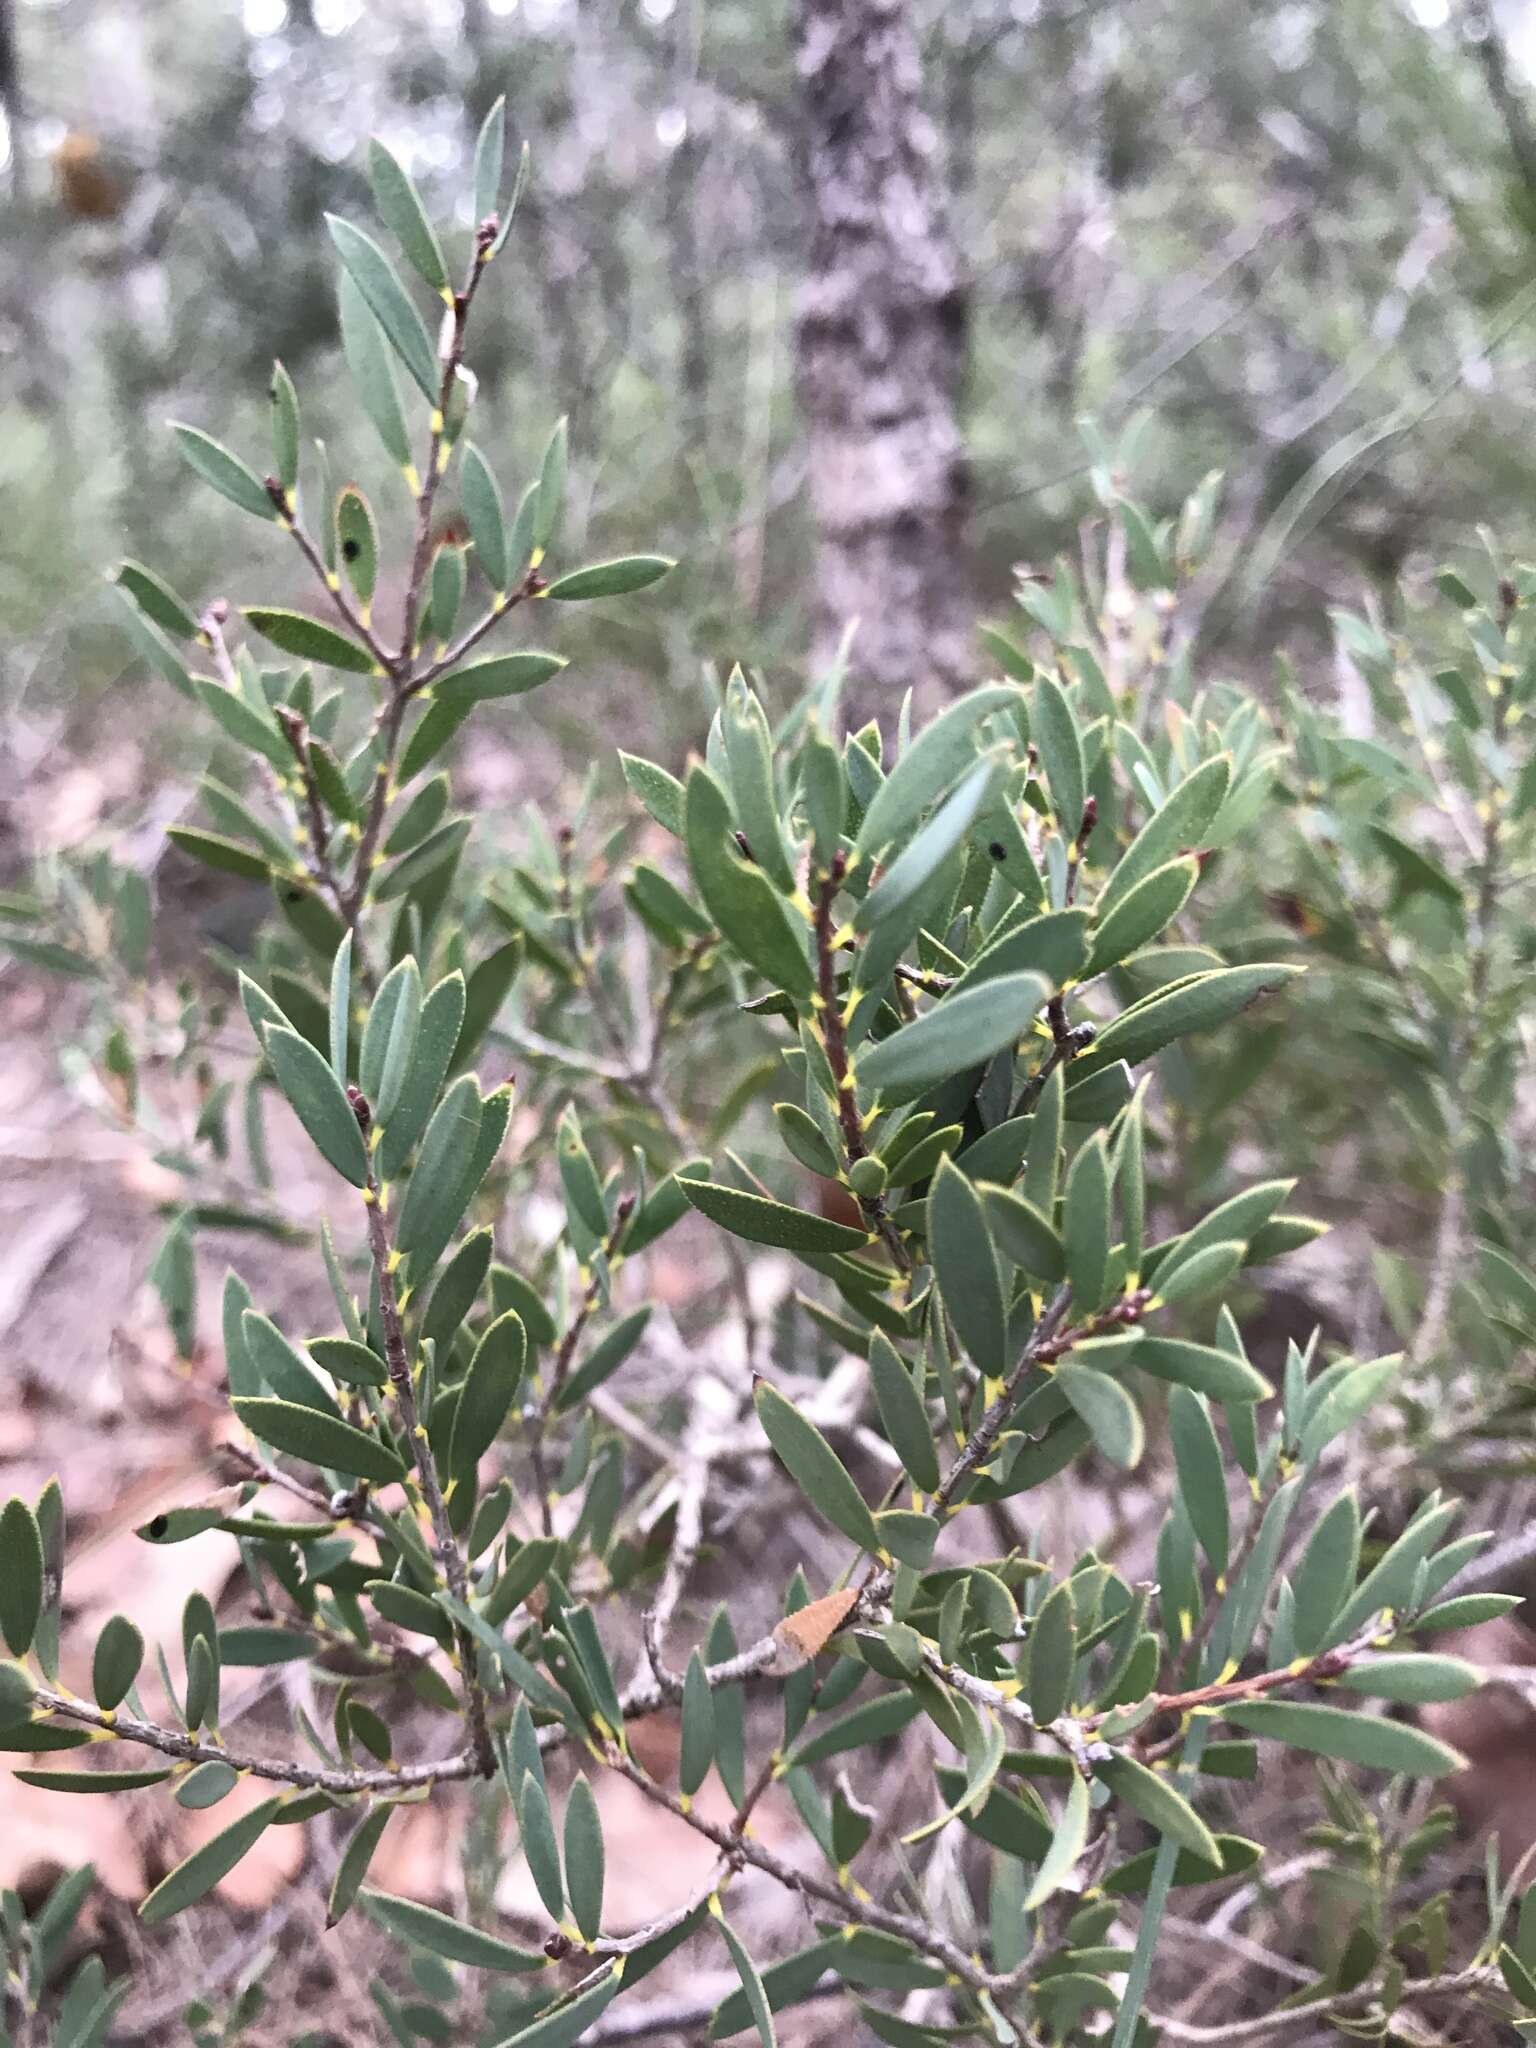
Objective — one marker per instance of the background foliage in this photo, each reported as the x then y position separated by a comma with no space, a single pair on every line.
1307,248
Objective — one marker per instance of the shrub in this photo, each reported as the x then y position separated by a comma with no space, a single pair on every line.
960,944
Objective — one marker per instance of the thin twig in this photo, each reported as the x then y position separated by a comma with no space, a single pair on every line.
450,1556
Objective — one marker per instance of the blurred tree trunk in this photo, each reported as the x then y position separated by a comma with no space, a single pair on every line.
881,339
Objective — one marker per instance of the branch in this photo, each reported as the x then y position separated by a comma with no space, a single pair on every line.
351,617
296,732
539,1420
449,1555
190,1750
1321,2008
862,1912
834,1036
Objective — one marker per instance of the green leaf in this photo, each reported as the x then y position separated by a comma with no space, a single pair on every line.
156,599
1174,829
1085,1225
1201,1366
874,1721
446,1153
216,851
1329,1413
900,892
1352,1738
551,487
484,510
21,1575
584,1858
402,212
1202,1474
321,1439
1134,1875
499,675
1414,1679
1325,1577
749,911
763,1222
285,427
578,1176
933,762
151,646
698,1729
1052,1654
784,1983
205,1867
115,1664
349,1360
964,1262
490,1386
98,1781
227,473
749,756
1151,1795
1197,1005
539,1845
1188,1276
441,1935
389,1039
605,1358
1467,1610
958,1033
611,579
319,1102
358,533
662,794
1518,1980
442,1020
247,728
1023,1235
355,1859
902,1413
372,372
16,1695
1053,729
297,633
1054,944
490,149
377,280
802,1135
1067,1843
565,2024
1141,914
815,1467
1111,1415
751,1982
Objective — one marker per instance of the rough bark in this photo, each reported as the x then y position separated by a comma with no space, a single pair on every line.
880,336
